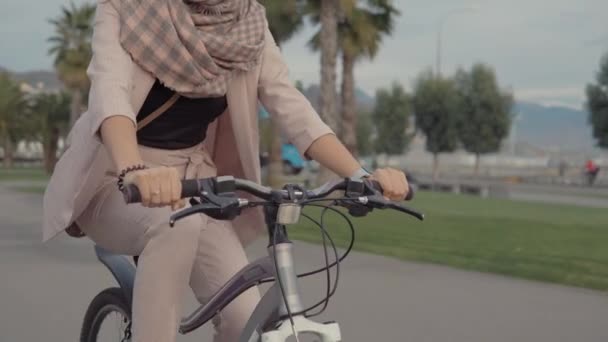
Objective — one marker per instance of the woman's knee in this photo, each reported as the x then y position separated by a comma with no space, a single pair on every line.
230,322
185,232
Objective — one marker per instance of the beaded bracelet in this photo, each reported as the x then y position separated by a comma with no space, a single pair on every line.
123,173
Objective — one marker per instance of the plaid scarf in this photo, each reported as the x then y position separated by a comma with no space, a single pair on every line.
193,46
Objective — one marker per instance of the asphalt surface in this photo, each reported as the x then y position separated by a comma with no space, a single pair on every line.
594,197
45,289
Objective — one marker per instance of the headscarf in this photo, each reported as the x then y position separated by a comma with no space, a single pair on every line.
193,46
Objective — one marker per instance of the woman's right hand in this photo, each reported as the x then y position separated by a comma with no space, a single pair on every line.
159,186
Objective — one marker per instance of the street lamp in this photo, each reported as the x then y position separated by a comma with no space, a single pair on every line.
440,31
517,117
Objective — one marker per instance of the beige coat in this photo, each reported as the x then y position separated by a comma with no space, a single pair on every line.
119,87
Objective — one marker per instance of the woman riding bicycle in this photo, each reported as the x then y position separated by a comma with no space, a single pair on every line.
220,58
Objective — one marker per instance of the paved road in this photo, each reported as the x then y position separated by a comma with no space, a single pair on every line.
594,197
559,194
44,290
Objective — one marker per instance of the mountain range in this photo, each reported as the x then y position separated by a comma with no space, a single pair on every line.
535,126
550,128
47,79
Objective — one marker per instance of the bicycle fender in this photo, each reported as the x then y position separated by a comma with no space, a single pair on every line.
122,270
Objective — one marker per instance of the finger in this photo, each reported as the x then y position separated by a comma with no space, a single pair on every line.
175,189
400,185
406,184
143,186
155,189
397,187
384,179
165,187
176,186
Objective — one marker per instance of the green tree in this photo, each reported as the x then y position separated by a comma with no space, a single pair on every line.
391,115
49,117
71,48
484,111
12,107
285,18
597,104
435,104
364,134
360,34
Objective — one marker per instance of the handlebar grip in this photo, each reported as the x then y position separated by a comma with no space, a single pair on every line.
410,194
190,188
131,194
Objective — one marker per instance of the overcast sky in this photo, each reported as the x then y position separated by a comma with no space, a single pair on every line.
544,50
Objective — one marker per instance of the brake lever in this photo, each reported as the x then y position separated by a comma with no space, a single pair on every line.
378,201
406,210
227,210
195,209
355,208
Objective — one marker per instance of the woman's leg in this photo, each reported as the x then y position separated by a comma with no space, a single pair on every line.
220,255
165,263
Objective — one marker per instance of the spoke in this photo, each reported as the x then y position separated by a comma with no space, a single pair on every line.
118,330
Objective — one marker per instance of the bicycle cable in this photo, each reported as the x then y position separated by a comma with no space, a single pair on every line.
346,253
330,291
326,234
278,277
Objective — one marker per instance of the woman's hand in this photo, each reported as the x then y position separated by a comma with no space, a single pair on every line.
393,182
158,186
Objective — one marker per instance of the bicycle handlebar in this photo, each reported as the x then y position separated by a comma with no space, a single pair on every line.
213,189
194,187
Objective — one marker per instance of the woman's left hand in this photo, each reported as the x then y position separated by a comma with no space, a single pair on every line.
393,182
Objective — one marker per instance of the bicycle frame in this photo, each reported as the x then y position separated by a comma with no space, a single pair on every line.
272,305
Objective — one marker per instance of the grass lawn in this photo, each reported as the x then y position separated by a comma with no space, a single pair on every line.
22,174
31,189
555,243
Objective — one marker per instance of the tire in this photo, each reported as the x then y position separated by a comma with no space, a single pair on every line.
107,302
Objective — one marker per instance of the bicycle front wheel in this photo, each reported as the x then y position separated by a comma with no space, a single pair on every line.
108,318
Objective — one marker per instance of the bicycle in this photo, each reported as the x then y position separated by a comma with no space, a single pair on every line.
280,313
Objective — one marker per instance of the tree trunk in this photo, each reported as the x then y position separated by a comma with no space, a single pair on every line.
477,162
329,53
435,167
349,112
275,162
75,106
8,151
50,151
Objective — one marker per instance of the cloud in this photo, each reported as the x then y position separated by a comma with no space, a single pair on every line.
545,50
572,97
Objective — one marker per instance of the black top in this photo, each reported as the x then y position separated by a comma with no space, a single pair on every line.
183,125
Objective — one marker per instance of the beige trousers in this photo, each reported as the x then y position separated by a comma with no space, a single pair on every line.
199,250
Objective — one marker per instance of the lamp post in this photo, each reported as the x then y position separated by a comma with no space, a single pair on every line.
513,139
440,32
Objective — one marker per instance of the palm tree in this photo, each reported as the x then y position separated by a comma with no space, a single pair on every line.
328,40
12,106
327,13
49,116
285,18
360,36
360,33
71,47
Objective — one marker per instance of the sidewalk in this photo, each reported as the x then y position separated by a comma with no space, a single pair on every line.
45,289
